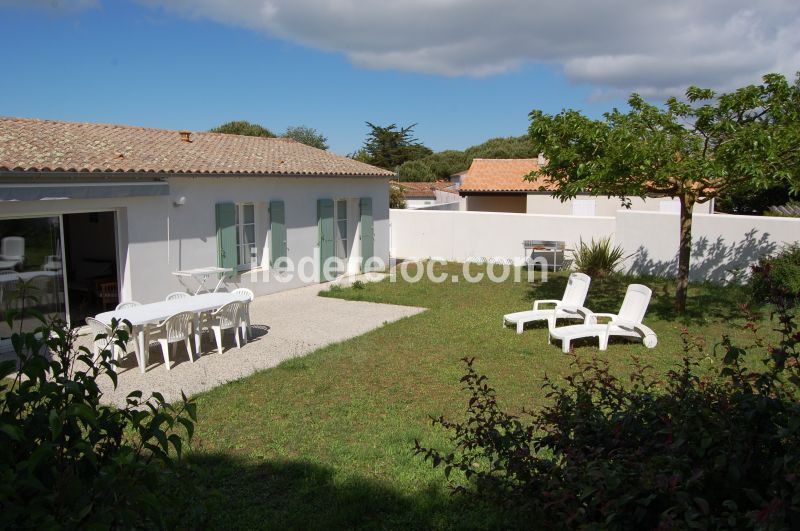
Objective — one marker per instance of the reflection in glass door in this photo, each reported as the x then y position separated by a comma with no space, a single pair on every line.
340,240
31,272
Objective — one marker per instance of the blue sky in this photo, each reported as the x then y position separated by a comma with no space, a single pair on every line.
161,64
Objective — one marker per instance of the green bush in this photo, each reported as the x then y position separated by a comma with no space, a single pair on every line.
672,452
599,258
777,275
68,461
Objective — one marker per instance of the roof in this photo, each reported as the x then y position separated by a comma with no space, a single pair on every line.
414,189
503,175
28,145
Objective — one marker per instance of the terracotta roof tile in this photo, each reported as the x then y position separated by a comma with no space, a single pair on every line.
503,175
424,189
28,145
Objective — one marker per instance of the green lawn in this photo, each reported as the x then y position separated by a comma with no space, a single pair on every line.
325,441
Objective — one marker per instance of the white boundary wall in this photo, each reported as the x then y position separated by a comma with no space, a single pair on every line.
722,244
457,236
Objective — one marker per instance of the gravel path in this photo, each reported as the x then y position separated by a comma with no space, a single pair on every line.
285,325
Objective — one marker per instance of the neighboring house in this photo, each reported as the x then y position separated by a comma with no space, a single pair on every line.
457,178
499,185
426,194
124,207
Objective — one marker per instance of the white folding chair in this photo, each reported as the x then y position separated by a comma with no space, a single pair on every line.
227,317
626,323
173,329
177,295
566,308
97,328
245,292
12,249
129,304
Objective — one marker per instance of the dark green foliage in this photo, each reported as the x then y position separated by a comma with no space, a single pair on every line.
307,135
443,164
66,460
676,452
245,128
415,171
388,147
777,275
751,201
599,258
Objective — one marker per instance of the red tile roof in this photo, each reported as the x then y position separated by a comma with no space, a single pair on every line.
412,189
28,145
503,175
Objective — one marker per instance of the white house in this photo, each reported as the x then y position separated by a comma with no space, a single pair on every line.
108,213
499,185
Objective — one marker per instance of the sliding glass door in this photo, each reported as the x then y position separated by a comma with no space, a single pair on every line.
31,272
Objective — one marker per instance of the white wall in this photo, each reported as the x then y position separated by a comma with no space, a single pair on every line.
721,243
460,235
155,237
544,203
417,203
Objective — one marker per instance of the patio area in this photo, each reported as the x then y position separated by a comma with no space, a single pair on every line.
284,325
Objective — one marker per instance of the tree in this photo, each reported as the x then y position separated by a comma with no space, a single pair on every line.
245,128
306,135
389,147
443,164
396,197
691,150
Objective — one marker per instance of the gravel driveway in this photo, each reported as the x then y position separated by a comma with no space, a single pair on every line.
285,325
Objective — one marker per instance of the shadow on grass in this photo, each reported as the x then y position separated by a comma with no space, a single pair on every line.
706,301
248,494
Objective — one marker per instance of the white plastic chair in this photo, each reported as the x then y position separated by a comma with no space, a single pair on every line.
12,249
96,328
177,295
173,329
626,323
126,305
566,308
245,292
227,317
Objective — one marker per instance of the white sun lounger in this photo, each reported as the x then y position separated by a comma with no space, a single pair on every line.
566,308
626,323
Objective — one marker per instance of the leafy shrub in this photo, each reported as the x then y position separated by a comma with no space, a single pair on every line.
777,276
599,258
66,460
721,451
359,284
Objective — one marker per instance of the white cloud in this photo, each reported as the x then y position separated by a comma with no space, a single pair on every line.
616,46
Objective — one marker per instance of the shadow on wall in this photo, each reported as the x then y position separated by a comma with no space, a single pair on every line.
714,260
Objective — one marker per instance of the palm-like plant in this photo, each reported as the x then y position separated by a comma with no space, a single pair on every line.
599,258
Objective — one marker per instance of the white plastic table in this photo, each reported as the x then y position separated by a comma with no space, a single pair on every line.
145,314
201,274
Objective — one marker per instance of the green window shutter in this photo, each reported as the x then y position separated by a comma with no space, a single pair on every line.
226,235
277,225
367,232
325,225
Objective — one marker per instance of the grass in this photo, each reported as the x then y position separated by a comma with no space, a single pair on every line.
325,441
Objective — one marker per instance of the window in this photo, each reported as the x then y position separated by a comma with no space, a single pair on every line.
246,250
341,231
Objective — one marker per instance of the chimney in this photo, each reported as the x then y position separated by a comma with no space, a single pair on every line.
541,160
186,136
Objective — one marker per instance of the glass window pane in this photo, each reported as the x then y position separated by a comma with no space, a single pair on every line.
249,233
31,275
249,213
